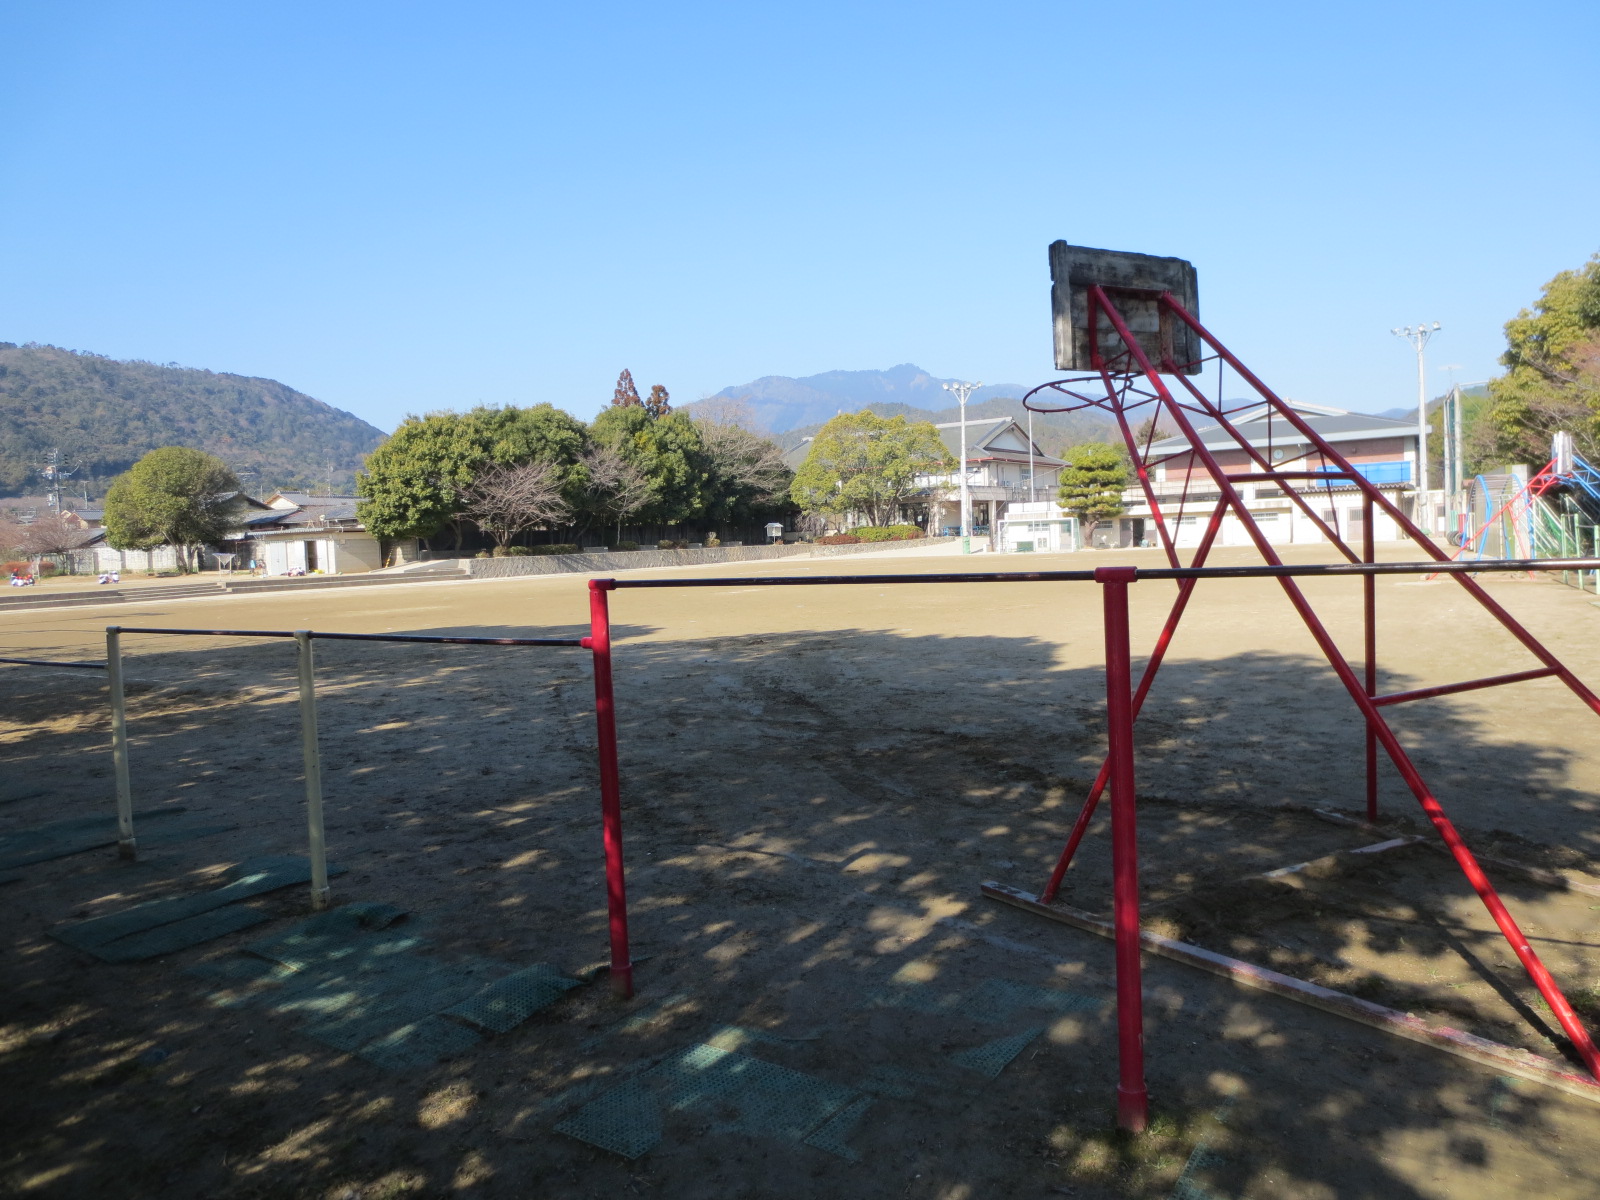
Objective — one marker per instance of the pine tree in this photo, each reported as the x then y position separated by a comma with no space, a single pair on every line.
659,404
626,395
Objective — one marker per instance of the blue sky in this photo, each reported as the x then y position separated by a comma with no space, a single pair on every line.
397,207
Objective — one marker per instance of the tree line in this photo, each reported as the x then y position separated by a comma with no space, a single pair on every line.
508,471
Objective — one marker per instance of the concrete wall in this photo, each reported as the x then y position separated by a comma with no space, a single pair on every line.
624,560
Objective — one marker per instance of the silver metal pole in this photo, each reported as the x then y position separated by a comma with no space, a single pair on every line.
966,496
1033,492
313,769
1422,432
1460,444
126,846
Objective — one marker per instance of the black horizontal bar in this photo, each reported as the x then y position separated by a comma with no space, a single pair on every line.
457,641
45,662
1258,572
355,637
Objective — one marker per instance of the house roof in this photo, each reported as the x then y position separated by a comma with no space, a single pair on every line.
1334,424
991,439
313,512
987,441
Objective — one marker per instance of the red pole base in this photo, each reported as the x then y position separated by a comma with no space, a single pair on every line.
622,982
1133,1110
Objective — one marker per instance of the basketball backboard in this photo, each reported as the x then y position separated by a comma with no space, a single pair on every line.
1134,283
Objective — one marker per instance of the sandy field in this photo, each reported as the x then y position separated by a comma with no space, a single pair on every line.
815,782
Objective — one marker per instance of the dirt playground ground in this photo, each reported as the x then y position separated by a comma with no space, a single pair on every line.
815,782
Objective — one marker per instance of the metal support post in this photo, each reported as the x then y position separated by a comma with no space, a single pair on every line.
599,644
1369,606
126,846
313,769
1133,1102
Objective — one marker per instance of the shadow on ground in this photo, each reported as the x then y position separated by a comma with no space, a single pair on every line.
808,818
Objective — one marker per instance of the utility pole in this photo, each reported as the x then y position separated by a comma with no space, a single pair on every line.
1418,335
962,391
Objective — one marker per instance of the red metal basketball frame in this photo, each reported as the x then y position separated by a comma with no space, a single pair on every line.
1132,375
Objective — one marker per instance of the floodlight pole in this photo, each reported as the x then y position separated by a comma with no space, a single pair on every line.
1033,491
962,391
1418,335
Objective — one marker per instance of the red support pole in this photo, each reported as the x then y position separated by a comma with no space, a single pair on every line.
1571,1025
1133,1101
1369,606
605,719
1157,656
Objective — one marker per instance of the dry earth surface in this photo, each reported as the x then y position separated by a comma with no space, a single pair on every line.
815,781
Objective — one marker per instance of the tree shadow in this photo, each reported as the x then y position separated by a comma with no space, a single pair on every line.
808,817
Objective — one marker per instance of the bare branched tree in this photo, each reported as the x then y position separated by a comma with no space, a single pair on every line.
49,534
617,488
746,463
503,501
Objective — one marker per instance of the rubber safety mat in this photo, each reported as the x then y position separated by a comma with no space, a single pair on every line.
358,983
104,936
73,836
730,1091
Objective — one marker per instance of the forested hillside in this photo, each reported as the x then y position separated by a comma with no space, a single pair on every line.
104,414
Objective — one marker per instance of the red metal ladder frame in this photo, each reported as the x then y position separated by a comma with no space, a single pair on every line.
1132,374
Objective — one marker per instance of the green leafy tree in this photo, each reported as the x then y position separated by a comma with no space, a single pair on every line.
1091,483
866,464
174,496
1552,380
668,451
412,484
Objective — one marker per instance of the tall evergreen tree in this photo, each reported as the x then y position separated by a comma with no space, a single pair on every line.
659,404
626,395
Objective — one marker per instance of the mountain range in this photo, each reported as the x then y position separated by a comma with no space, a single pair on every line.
790,409
779,403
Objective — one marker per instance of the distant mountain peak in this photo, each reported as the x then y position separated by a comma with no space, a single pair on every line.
779,403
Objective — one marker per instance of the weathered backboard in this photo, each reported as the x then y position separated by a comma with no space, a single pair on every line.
1133,283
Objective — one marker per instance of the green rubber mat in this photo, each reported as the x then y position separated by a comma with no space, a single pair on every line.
356,984
252,878
507,1003
334,937
832,1135
73,836
732,1092
993,1057
420,1044
179,935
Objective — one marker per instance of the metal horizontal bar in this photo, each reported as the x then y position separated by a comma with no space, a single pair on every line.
45,662
456,641
1472,685
1260,572
358,637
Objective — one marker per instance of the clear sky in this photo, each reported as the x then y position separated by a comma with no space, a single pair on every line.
399,206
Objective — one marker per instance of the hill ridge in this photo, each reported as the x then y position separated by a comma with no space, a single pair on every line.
105,412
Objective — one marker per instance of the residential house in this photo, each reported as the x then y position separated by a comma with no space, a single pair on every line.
1003,468
1382,449
302,534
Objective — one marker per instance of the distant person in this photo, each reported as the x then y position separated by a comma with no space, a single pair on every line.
104,578
116,577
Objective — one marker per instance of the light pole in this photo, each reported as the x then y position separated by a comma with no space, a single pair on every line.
1418,335
1033,494
962,391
